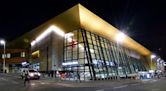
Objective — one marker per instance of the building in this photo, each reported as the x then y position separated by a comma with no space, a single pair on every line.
78,42
13,59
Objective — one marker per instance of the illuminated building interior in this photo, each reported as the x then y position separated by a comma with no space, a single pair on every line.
94,57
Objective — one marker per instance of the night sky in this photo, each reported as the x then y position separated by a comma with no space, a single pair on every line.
142,20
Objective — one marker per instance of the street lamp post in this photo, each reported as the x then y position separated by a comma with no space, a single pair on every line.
119,39
2,42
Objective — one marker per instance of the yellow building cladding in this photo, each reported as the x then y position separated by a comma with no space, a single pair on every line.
93,23
79,17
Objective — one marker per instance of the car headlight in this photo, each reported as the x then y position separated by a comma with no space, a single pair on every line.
39,74
31,74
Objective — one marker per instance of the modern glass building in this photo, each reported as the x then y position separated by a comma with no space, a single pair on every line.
79,43
95,57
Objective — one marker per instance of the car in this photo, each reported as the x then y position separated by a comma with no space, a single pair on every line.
33,74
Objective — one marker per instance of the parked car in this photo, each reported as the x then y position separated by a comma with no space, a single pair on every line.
33,74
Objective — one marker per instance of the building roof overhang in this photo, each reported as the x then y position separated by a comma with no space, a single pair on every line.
79,17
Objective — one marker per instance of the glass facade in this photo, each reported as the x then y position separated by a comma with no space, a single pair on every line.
93,57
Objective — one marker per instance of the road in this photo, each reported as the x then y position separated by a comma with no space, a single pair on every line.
10,82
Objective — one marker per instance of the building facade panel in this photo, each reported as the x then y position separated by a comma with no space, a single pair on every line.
51,52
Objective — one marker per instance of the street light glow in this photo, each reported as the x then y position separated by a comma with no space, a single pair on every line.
120,37
2,42
153,56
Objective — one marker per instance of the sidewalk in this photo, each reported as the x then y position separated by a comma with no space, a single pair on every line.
104,83
98,83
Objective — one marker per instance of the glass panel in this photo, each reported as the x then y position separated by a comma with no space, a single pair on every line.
80,39
88,35
81,61
93,56
93,37
75,55
81,55
89,41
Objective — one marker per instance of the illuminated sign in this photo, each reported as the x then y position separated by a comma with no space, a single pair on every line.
69,63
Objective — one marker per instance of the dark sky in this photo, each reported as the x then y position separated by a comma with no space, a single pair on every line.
142,20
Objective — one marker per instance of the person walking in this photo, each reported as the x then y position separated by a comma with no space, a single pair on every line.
78,76
26,78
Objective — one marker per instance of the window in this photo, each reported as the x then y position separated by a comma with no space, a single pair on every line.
8,55
3,56
22,54
35,54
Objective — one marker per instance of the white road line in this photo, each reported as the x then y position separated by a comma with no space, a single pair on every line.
100,90
14,82
135,84
65,85
43,83
154,81
3,79
120,86
33,84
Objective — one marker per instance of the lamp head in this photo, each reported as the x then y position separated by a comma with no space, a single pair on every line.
153,56
2,42
120,37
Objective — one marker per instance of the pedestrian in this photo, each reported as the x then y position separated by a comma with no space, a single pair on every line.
26,78
155,74
158,74
78,77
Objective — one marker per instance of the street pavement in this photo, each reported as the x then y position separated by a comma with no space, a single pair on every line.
12,82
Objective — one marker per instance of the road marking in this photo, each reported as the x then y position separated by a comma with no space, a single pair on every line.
66,85
33,84
4,79
156,89
100,90
135,84
14,82
120,86
44,83
154,81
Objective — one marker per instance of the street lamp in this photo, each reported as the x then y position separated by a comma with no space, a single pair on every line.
2,42
151,57
120,37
